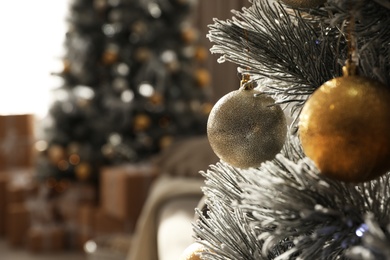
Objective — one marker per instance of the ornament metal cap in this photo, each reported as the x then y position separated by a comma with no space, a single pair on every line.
246,83
350,69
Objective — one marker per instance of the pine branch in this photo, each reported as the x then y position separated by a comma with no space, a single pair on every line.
371,30
283,49
230,236
293,52
375,241
285,209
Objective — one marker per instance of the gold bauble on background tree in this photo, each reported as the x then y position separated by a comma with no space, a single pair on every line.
345,128
246,127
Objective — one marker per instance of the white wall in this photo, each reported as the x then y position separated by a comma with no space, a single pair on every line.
31,40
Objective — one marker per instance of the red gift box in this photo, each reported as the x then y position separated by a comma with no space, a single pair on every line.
16,141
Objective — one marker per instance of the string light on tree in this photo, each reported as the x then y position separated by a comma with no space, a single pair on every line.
246,127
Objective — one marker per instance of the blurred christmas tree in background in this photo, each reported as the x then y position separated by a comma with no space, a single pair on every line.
133,82
326,194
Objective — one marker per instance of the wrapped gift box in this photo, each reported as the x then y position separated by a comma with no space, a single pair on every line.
113,247
21,184
124,189
77,195
85,226
18,222
107,224
94,221
16,186
3,187
86,222
16,141
45,239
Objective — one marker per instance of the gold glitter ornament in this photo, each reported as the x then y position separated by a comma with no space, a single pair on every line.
192,252
304,3
246,128
345,128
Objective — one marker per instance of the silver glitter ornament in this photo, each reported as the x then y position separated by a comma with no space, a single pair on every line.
246,128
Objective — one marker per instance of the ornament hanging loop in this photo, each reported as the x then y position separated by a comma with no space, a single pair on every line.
246,83
351,65
350,69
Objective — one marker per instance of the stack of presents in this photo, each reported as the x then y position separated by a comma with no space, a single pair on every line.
29,220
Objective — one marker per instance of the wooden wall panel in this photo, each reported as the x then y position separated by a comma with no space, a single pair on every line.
224,76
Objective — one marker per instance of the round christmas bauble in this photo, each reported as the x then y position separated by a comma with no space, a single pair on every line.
246,128
109,57
304,3
56,153
189,34
143,54
192,252
142,122
165,141
345,128
83,171
202,78
201,54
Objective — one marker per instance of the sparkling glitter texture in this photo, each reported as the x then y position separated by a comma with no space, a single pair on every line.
246,129
345,129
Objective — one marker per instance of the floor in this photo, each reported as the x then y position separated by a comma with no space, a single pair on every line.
6,253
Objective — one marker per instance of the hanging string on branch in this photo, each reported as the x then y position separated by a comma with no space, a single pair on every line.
245,127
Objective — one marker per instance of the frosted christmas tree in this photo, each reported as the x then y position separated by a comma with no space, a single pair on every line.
133,82
325,193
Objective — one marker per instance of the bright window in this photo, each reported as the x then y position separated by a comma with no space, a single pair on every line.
31,43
